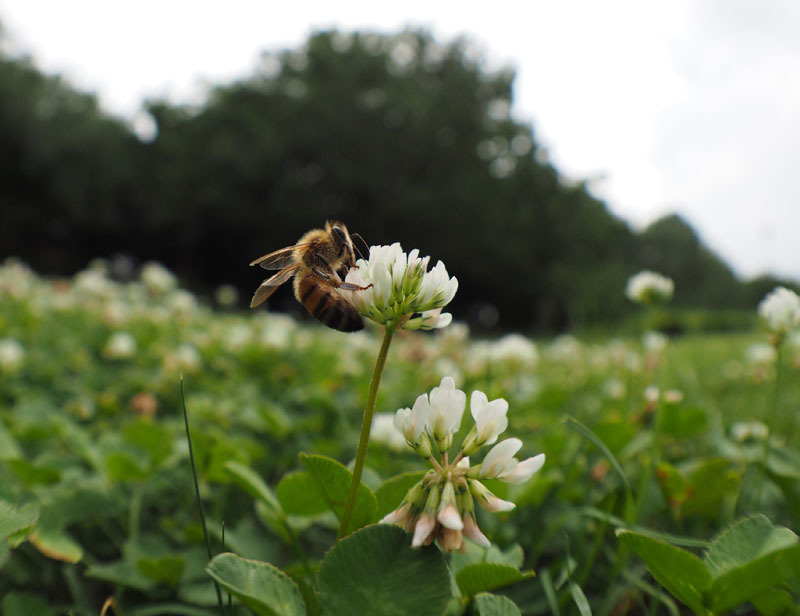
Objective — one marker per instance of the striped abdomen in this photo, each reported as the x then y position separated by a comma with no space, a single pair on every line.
325,304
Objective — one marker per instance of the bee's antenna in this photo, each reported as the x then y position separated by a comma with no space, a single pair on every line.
357,235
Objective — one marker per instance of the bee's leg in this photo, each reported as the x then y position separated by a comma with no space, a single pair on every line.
320,274
348,286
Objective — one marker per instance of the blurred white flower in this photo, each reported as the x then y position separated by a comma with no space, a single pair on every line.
226,296
157,278
742,431
185,358
12,354
514,348
654,342
401,293
761,354
648,287
120,345
673,396
781,310
181,302
383,432
651,394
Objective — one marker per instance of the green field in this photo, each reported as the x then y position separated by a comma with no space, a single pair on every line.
96,492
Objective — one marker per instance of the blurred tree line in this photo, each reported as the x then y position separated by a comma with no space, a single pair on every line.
401,137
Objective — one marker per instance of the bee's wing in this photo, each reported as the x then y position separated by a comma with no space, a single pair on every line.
270,285
276,260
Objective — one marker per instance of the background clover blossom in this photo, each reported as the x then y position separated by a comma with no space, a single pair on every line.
648,287
403,292
781,310
441,506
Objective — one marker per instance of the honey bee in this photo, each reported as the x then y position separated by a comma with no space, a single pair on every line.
319,262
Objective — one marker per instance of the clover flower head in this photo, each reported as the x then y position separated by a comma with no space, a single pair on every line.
649,288
441,506
401,292
120,345
12,353
781,311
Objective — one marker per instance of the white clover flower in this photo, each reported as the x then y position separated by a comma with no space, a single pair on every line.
651,394
654,342
446,410
441,506
120,345
514,348
401,292
490,421
761,354
226,295
648,287
383,432
186,358
501,464
157,278
181,303
781,310
411,422
12,354
742,431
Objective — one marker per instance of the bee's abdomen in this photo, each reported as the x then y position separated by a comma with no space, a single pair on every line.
325,304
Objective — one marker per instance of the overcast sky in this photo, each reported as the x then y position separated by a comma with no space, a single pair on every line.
672,105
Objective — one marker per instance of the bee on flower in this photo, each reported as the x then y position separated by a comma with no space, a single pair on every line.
441,506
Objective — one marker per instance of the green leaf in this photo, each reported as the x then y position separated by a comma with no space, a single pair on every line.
265,589
580,599
483,577
682,421
23,604
550,592
391,492
298,494
164,569
333,484
680,572
247,479
56,544
375,571
604,516
13,519
587,433
122,573
495,605
710,483
750,558
744,541
775,602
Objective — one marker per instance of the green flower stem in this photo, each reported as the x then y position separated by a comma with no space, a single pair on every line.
366,425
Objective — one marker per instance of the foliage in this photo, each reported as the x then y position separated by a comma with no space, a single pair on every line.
96,496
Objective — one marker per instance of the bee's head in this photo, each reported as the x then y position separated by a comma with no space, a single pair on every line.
344,244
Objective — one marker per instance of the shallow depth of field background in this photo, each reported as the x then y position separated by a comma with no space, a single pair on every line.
125,267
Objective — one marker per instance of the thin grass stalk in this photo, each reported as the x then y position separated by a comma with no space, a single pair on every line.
197,494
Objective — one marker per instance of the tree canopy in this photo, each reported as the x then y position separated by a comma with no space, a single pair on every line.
401,137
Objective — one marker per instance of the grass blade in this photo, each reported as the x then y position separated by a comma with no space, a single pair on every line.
197,494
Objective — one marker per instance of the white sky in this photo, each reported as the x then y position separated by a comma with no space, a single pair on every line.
672,105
